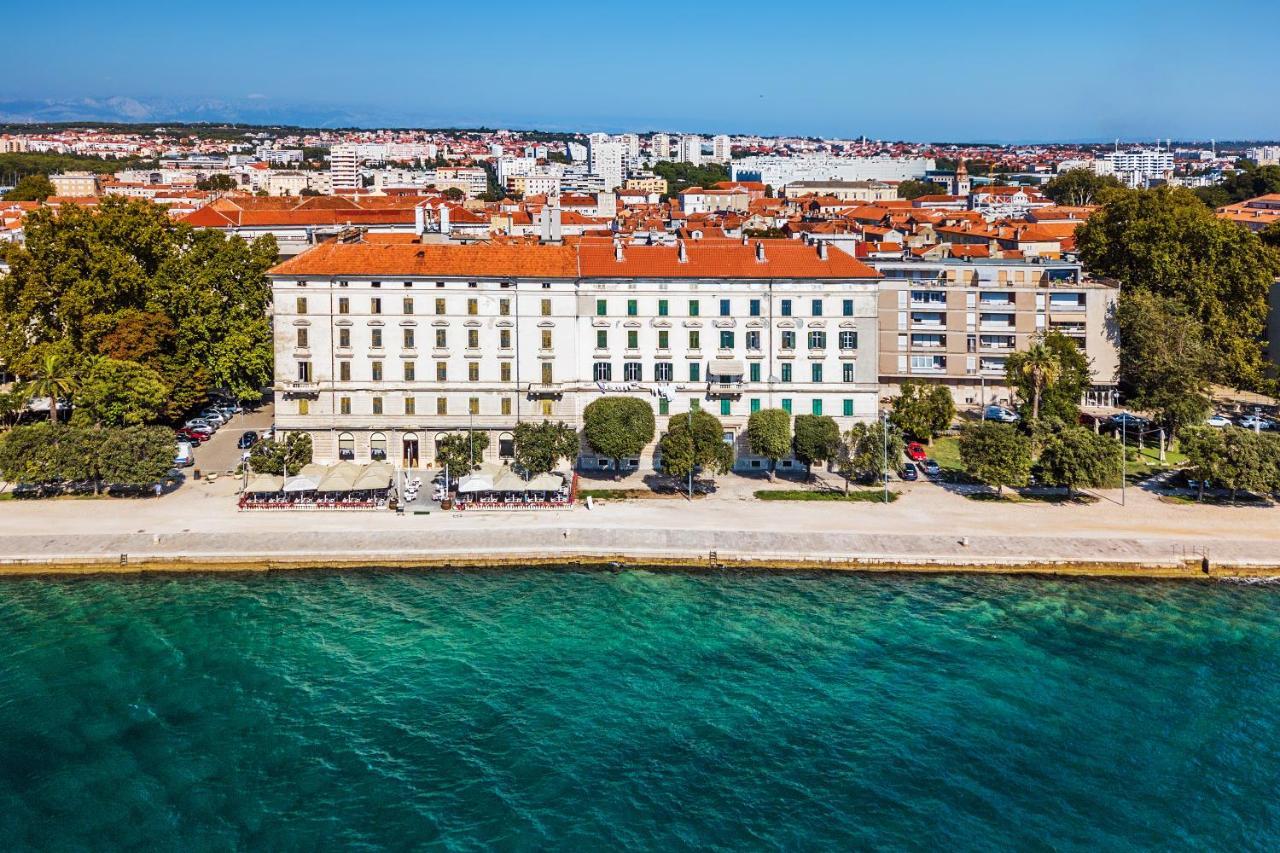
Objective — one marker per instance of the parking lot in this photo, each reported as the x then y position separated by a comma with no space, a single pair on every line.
220,454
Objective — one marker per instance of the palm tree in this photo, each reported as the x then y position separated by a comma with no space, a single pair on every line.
53,378
1041,365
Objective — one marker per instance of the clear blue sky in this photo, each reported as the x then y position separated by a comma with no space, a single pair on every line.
927,70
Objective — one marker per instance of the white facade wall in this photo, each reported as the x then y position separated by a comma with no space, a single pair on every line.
780,171
606,161
344,167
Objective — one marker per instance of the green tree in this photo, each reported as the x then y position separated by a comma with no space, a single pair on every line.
693,442
1061,398
1206,450
1248,462
1076,457
1165,363
275,457
454,194
1080,187
540,445
136,455
914,189
681,176
1040,367
618,427
218,182
52,378
817,440
923,409
1270,236
121,393
769,435
996,454
25,455
1164,241
31,188
462,451
869,450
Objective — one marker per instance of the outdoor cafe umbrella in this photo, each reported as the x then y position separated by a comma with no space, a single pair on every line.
376,475
305,480
339,478
265,483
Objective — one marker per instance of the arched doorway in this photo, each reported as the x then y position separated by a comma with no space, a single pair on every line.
378,447
506,446
346,447
409,457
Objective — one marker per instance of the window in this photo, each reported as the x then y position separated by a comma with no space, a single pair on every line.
755,405
410,371
753,340
504,339
504,371
602,307
302,339
664,406
473,405
546,339
724,307
344,405
473,339
848,372
439,306
786,371
442,406
603,371
408,305
662,371
302,304
375,305
754,371
631,371
847,308
663,339
377,370
505,406
848,408
755,307
504,307
662,307
633,339
786,308
602,339
695,372
410,405
848,340
473,371
547,410
442,338
546,308
304,407
442,371
788,340
726,407
817,407
786,405
693,308
344,305
726,340
344,337
815,371
346,446
695,340
817,307
375,338
473,307
304,371
817,340
377,405
409,342
546,373
344,371
632,309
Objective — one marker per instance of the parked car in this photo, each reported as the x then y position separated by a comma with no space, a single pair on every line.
214,416
931,468
191,436
1000,414
200,425
1256,421
184,457
1218,420
909,472
268,434
1129,421
248,439
916,451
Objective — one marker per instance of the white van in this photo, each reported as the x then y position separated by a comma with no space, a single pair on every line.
184,456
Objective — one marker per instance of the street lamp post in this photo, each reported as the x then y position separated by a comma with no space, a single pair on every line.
884,458
690,421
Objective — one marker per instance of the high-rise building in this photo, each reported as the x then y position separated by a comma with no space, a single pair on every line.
721,148
605,159
660,146
344,167
691,149
630,146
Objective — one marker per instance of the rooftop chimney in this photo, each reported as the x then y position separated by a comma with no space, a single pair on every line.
617,251
746,241
760,252
822,250
681,255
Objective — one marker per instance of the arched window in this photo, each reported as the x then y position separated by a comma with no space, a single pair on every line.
506,445
346,446
377,447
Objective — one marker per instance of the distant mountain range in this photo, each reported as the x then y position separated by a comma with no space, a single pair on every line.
119,108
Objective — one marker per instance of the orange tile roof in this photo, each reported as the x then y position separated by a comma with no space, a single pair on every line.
719,259
425,260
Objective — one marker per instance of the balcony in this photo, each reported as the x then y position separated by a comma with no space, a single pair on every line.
298,386
545,389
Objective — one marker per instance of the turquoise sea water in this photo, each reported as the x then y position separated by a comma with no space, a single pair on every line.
592,711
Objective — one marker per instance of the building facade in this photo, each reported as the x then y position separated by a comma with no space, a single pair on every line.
344,167
380,350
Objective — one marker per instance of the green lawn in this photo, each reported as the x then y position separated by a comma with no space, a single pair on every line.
946,452
871,495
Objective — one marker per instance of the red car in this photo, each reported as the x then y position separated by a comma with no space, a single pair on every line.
916,452
191,436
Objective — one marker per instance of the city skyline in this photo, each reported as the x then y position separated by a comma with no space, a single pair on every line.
925,77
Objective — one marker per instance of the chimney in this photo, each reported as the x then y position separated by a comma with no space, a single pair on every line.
681,255
617,251
760,252
419,219
746,241
444,219
822,250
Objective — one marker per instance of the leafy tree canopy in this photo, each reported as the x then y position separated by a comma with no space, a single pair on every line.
915,189
1072,376
540,445
120,393
43,453
681,176
923,409
769,434
1076,457
869,451
618,427
462,451
1080,187
997,454
31,188
687,446
817,438
271,457
218,182
1165,363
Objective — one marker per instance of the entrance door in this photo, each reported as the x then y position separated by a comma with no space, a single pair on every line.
410,457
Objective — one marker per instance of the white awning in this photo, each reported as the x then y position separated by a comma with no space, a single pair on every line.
725,367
